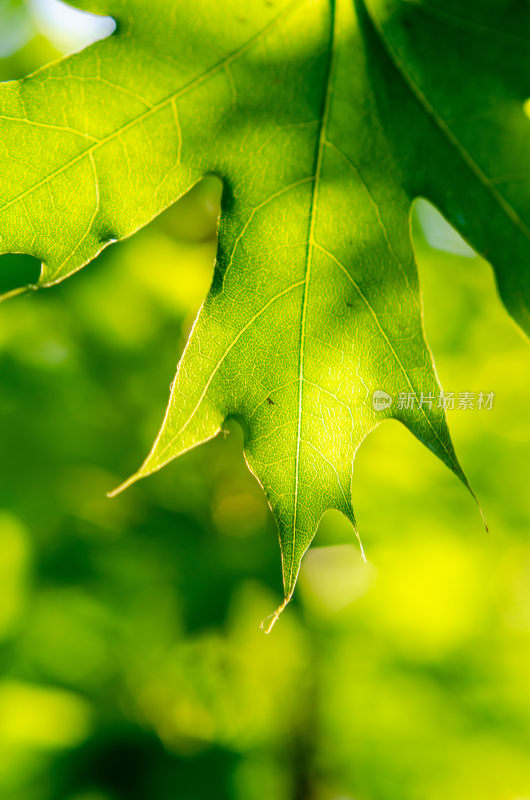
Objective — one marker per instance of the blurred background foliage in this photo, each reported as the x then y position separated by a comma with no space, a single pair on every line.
132,666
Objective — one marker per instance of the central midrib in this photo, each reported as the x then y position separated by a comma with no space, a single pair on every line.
310,247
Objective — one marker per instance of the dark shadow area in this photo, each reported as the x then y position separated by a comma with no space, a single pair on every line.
127,763
18,270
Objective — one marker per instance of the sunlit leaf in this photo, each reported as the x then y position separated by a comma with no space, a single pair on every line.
324,121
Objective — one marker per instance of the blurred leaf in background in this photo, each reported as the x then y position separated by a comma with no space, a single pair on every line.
132,666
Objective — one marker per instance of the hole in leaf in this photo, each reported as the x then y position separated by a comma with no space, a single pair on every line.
18,270
526,107
194,218
15,28
438,233
69,29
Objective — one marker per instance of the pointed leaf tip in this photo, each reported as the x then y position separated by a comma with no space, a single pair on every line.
267,626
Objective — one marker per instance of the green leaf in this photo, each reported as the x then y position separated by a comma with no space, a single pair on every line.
466,144
324,120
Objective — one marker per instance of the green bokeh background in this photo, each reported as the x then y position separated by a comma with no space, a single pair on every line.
132,665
